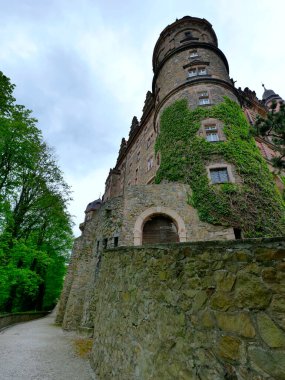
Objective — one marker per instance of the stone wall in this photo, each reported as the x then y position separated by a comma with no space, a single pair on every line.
209,310
12,319
75,308
138,199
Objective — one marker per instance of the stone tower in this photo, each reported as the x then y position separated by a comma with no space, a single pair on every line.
151,194
187,63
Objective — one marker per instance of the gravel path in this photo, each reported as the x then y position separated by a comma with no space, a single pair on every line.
40,350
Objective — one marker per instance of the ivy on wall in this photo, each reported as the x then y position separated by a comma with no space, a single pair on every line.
253,204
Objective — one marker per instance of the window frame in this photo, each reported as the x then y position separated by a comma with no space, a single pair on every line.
209,131
193,54
203,98
150,163
220,166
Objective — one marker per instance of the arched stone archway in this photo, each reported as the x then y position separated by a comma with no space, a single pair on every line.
159,210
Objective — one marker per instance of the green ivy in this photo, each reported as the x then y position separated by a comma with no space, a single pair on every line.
254,204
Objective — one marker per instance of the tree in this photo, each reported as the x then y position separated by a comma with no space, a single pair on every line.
273,127
35,226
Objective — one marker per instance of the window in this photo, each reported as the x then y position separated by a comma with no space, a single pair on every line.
212,133
219,175
202,71
108,212
158,160
238,233
193,54
203,98
148,141
192,73
204,101
105,242
149,163
116,241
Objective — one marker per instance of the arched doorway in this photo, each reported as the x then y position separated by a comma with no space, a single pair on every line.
159,229
152,212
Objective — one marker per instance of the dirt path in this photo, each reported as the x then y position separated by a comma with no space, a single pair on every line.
39,350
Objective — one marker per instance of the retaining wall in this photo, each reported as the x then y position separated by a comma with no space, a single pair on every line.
207,310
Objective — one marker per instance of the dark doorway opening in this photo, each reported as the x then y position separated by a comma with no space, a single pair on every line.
160,229
237,232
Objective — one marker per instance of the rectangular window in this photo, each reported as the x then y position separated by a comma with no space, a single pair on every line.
202,71
158,160
193,54
203,98
204,101
105,243
149,163
192,73
219,175
116,241
149,141
212,133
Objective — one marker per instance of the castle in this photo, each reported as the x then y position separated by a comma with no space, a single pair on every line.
187,64
189,171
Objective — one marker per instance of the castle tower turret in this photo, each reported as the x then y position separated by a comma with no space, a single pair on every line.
187,63
269,96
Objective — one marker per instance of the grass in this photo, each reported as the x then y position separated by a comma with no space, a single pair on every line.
83,346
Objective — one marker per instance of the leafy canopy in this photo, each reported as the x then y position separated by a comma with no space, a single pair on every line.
35,226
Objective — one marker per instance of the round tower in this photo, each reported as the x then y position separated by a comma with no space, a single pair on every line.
187,63
269,97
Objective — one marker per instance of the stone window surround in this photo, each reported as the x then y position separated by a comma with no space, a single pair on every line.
193,54
203,97
211,121
197,70
221,166
159,210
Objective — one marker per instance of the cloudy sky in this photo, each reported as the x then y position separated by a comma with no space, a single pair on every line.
84,67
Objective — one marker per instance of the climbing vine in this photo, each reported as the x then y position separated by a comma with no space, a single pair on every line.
253,204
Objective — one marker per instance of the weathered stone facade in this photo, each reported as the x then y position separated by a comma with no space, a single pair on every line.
208,311
209,308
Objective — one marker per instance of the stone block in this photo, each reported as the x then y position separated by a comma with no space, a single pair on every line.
272,335
229,348
239,323
271,362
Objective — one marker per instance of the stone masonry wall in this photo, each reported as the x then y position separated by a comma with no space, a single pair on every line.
208,310
173,196
75,308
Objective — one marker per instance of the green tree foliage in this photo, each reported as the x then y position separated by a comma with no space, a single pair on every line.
35,227
252,205
273,127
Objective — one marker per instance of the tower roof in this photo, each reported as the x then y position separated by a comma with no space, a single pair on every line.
95,205
269,95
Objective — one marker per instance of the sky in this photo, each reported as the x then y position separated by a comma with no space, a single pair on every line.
84,66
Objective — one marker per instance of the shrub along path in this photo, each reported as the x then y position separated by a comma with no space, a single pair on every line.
40,350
